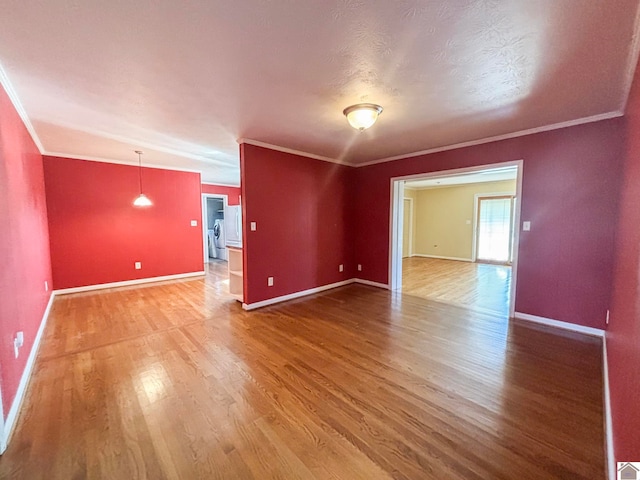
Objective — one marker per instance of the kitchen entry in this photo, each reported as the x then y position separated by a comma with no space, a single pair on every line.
213,210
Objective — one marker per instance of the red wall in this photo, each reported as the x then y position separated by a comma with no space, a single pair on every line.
623,334
570,182
301,207
24,246
97,234
232,193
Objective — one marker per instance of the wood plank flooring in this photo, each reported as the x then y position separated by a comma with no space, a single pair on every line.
480,286
175,381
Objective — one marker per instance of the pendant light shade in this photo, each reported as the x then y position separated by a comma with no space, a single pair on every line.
142,200
362,115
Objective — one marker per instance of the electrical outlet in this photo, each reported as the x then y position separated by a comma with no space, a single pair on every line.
138,265
270,282
341,268
254,227
526,226
46,286
359,267
194,223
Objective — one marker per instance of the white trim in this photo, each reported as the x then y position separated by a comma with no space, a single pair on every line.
610,460
632,60
441,257
15,101
120,162
292,151
227,185
291,296
396,216
372,284
24,379
126,283
497,138
205,238
594,332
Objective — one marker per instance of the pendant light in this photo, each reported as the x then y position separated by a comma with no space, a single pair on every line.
362,115
142,200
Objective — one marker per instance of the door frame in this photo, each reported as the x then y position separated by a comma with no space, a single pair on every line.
205,196
3,437
476,215
410,224
396,217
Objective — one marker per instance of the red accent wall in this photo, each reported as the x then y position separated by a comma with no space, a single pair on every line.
623,334
24,246
301,207
570,182
232,193
97,234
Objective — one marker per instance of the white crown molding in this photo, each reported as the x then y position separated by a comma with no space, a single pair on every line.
119,162
126,283
594,332
24,379
292,151
632,60
497,138
13,96
213,184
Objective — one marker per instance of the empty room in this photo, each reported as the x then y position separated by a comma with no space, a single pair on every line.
320,240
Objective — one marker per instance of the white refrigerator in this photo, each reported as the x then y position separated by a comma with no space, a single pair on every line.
233,226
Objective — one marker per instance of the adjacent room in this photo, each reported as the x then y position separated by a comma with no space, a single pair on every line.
320,239
458,239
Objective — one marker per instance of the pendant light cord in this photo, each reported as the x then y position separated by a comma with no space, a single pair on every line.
140,169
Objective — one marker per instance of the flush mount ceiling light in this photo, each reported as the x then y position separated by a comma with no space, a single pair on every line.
362,115
142,200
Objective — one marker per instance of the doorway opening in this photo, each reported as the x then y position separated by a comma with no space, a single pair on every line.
494,228
213,210
462,245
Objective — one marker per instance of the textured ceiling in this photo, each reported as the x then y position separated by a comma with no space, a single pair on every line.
184,80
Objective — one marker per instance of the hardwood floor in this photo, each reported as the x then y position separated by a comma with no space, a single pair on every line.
479,286
175,380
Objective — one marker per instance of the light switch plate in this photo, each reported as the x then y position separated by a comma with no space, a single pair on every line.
194,223
270,282
254,227
526,226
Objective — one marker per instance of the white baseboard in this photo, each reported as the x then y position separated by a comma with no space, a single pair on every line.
24,380
127,283
372,284
291,296
458,259
608,420
594,332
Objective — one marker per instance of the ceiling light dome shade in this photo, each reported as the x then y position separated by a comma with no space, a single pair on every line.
142,201
362,115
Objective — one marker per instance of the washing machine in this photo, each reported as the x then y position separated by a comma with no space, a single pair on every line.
218,239
211,243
